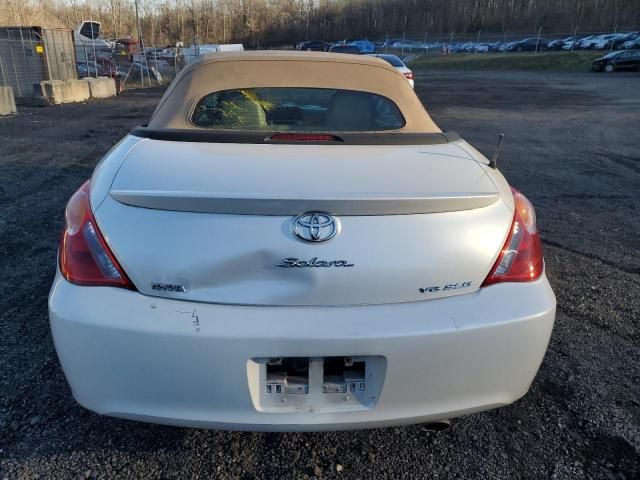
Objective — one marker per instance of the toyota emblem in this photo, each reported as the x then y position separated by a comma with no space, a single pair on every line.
315,227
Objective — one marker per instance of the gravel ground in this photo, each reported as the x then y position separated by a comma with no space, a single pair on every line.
571,145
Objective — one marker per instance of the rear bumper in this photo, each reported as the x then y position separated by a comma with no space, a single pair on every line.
182,363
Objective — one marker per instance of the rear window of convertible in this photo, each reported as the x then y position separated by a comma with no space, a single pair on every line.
297,109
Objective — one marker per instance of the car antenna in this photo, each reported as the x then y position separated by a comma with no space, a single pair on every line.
494,159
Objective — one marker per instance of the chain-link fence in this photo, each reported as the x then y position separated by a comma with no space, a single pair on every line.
124,61
21,60
30,55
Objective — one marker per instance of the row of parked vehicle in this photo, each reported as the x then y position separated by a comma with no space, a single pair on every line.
628,59
615,41
348,45
608,41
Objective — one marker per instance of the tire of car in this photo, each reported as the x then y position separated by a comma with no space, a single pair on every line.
609,67
519,49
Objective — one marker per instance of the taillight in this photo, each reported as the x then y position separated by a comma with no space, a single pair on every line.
409,75
85,258
521,257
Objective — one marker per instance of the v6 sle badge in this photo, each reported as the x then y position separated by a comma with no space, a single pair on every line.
444,288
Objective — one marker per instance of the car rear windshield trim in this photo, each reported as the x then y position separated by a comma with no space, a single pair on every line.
260,137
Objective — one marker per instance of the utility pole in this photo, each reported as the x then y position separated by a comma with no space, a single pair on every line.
538,39
140,46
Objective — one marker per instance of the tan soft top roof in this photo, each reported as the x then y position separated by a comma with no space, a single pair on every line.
273,68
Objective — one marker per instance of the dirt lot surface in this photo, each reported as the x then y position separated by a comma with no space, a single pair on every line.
572,145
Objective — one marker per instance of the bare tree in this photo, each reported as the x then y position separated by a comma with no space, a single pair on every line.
280,22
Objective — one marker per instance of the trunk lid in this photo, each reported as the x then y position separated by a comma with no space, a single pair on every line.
213,222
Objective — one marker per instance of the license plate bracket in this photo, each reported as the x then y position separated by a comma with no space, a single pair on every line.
318,384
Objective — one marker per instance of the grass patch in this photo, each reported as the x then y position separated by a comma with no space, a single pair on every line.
547,61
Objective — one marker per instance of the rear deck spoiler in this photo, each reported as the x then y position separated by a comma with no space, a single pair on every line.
258,137
205,202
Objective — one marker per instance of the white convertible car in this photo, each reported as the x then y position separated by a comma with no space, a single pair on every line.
291,243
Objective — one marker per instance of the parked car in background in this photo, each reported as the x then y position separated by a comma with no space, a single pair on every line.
433,46
363,46
528,45
559,43
388,43
504,47
586,43
623,38
481,47
192,52
606,41
574,43
460,47
408,45
168,54
90,69
87,40
618,60
314,46
630,44
340,48
398,64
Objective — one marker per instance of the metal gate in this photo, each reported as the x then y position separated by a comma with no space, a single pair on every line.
60,54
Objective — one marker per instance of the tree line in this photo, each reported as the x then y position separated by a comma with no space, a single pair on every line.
268,23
